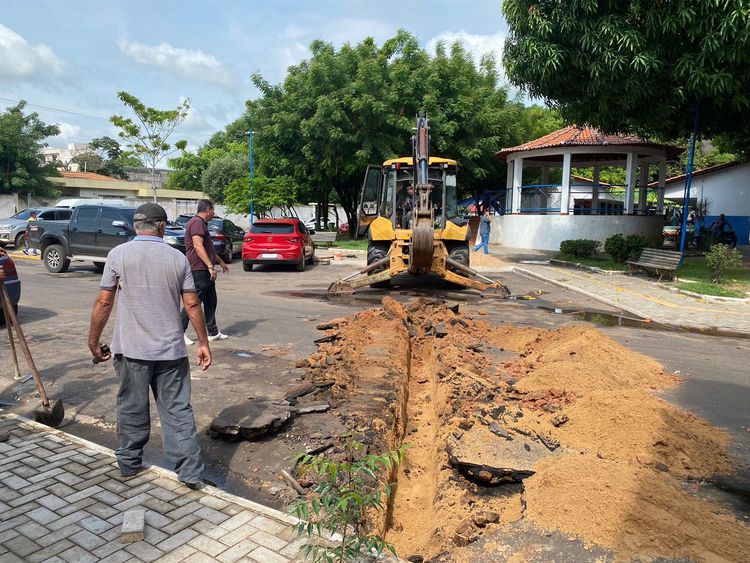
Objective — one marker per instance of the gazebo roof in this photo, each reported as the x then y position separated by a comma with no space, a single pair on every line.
585,135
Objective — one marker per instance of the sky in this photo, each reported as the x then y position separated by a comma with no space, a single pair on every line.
68,59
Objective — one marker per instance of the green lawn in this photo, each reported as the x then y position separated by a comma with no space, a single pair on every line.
694,276
350,244
604,262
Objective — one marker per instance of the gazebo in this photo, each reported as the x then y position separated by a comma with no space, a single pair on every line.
539,215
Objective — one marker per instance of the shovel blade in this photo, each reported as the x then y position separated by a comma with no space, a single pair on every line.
52,415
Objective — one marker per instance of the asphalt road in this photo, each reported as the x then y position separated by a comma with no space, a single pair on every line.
270,315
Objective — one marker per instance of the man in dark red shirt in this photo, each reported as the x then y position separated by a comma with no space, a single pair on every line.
199,248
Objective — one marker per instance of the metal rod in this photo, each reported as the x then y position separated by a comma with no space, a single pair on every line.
466,270
369,268
24,346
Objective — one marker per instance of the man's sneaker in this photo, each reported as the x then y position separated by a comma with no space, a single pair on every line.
218,336
188,341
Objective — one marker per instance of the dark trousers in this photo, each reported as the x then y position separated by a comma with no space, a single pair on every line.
205,287
169,381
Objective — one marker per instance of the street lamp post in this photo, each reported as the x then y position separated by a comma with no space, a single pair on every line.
252,209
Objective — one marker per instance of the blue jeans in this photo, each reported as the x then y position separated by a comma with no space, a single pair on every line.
485,241
169,381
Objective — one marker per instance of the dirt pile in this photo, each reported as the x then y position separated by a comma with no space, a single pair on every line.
482,260
505,422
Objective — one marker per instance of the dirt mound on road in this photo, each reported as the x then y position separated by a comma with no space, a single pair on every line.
505,423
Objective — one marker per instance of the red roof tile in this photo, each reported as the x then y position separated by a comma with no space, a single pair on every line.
577,136
88,176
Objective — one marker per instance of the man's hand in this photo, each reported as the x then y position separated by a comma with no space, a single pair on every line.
203,356
224,267
96,351
212,273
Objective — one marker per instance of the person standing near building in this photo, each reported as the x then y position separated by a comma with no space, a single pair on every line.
484,231
151,278
26,246
200,252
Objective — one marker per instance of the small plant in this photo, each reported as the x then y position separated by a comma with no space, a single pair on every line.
623,248
580,248
720,259
348,490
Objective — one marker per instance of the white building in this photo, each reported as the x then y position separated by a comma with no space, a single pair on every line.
726,187
62,157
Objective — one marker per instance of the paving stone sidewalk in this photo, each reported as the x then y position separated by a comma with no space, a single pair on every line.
644,297
62,499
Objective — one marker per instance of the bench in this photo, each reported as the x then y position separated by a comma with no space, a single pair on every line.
325,238
661,261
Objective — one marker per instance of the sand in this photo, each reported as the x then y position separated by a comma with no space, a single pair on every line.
422,374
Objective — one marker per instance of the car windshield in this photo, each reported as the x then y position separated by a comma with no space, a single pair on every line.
272,228
215,223
25,214
183,219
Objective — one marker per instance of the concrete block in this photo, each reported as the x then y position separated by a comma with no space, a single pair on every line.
133,523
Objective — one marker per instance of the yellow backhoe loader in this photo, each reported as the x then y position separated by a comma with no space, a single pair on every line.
408,211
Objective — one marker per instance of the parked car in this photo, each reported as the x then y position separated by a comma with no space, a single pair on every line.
13,229
226,236
93,230
277,241
12,284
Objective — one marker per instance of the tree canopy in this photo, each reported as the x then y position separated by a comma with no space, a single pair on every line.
21,170
345,108
146,136
636,66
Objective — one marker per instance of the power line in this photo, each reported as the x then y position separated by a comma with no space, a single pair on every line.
76,114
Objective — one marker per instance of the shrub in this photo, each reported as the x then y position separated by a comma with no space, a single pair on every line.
720,259
580,248
623,248
347,490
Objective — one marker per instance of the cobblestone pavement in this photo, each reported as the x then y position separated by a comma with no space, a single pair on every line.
62,499
644,297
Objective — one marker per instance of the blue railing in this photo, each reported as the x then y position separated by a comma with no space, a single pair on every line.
546,198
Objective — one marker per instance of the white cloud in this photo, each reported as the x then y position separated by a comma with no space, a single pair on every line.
193,64
477,45
69,133
21,60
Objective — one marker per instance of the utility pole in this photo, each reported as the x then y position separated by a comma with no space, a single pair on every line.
689,179
252,208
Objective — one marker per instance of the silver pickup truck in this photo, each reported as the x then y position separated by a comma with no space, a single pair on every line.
13,229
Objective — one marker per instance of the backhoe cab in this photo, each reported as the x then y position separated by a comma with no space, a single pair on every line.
408,212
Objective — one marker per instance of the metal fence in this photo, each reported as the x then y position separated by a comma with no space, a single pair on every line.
547,198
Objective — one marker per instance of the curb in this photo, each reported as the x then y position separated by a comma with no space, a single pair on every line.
710,330
583,267
709,298
171,475
21,256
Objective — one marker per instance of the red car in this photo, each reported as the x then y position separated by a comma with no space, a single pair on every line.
277,241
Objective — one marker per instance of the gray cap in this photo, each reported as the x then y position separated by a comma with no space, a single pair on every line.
150,212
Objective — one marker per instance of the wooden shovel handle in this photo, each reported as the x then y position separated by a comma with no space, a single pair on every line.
24,346
9,326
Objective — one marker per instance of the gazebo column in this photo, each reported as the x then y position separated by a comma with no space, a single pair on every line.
662,184
509,187
565,190
631,168
595,191
543,198
643,189
517,183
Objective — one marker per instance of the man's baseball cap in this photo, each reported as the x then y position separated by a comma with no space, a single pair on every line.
150,212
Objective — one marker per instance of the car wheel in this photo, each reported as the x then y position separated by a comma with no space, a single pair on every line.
99,266
227,257
301,265
19,241
247,267
377,252
55,259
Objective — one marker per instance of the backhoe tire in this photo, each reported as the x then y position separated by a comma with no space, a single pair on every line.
377,252
460,254
55,259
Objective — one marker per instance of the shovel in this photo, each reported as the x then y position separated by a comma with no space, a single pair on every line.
49,414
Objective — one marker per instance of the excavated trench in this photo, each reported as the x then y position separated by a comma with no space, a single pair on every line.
563,429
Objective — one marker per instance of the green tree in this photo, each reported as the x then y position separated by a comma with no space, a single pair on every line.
21,139
268,193
146,137
636,66
220,173
113,157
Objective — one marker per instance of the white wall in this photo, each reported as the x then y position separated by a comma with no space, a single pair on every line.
727,189
545,232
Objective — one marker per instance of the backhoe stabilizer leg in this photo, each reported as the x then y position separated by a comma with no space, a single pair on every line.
349,284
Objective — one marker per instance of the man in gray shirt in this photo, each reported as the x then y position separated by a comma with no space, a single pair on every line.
152,279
